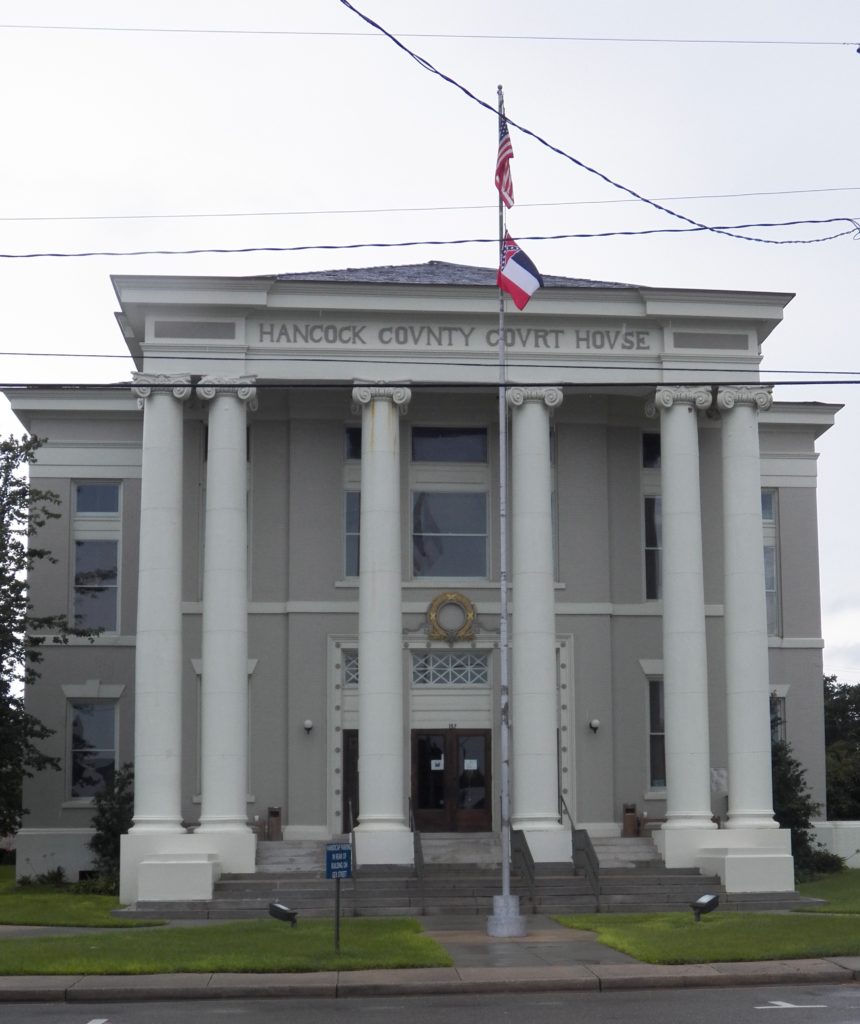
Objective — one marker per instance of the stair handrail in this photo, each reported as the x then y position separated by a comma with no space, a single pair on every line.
582,851
418,857
524,863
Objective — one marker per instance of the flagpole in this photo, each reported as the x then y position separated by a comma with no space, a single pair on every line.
506,919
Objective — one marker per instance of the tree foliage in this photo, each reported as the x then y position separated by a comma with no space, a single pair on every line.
842,742
113,818
794,808
24,510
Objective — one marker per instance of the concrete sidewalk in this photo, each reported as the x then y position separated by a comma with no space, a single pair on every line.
549,958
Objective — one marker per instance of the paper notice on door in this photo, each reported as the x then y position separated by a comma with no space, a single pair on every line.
470,764
437,764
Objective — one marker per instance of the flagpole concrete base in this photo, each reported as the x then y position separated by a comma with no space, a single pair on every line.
506,921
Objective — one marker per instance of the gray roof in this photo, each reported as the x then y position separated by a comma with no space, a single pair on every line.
435,272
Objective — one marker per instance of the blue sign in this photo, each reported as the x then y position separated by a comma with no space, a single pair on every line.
338,860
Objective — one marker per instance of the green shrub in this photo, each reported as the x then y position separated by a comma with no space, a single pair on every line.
112,819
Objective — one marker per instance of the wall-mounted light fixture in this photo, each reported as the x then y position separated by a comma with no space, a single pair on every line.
594,724
308,726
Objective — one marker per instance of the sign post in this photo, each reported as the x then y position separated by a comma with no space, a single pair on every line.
338,865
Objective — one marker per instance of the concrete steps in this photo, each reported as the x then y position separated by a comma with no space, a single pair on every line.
462,874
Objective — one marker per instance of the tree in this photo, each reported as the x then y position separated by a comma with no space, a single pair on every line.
794,808
842,743
24,510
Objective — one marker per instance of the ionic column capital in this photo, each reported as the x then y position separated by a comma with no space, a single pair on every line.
398,394
759,397
678,394
145,383
518,396
239,387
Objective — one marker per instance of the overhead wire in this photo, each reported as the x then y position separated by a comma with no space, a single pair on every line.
491,36
213,215
428,66
728,230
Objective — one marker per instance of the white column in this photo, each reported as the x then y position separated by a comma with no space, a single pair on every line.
685,662
381,730
533,685
158,655
747,673
225,609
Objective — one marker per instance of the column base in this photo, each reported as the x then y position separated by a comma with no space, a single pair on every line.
747,860
506,921
383,846
548,845
234,852
761,820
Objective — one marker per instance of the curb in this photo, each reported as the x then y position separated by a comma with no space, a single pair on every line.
423,981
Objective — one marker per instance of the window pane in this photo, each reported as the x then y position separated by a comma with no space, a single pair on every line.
93,726
650,451
353,442
449,444
90,772
95,563
448,555
658,762
93,747
353,507
769,567
430,772
95,608
446,512
97,498
655,709
653,522
352,549
767,507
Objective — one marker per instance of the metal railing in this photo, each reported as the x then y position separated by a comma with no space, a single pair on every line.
524,863
418,856
582,852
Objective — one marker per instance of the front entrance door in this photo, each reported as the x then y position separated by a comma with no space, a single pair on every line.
451,784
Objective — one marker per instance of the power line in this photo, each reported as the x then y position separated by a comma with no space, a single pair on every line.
461,385
726,230
414,209
144,29
427,66
828,377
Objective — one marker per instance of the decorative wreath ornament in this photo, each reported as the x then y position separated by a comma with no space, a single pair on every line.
459,612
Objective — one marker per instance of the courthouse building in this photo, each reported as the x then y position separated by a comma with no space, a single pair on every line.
287,529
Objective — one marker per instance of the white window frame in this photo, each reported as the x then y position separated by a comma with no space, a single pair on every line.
71,704
97,526
770,537
450,478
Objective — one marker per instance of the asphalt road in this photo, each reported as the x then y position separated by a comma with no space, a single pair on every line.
771,1004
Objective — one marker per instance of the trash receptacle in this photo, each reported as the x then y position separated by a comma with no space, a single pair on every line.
274,824
629,822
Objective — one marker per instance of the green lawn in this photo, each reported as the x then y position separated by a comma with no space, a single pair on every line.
241,946
43,905
842,892
721,936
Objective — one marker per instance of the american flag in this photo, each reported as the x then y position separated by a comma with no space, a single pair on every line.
504,182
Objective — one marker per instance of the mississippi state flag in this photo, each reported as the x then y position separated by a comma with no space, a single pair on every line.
517,275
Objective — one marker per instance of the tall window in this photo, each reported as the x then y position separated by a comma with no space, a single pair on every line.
92,729
449,483
656,735
771,560
351,500
97,538
653,547
351,531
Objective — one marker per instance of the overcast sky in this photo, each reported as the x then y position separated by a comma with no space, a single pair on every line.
304,127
